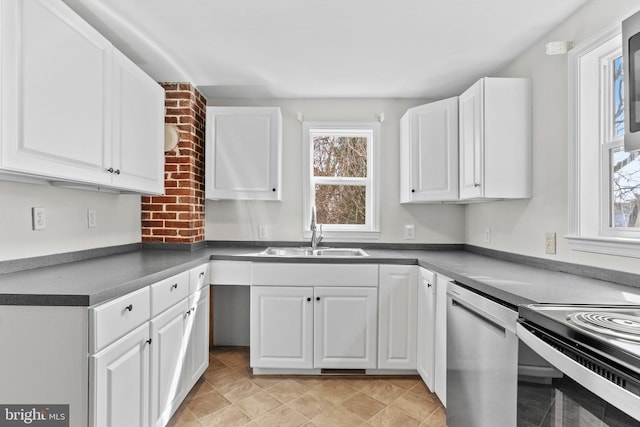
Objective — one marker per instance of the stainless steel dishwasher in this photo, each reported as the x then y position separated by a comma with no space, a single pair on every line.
482,360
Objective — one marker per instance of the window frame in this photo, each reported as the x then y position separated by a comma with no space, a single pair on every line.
371,228
591,138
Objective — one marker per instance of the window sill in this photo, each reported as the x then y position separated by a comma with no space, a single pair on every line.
605,245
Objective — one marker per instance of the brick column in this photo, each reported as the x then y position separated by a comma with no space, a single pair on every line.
178,215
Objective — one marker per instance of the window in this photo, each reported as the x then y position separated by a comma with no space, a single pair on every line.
604,180
341,178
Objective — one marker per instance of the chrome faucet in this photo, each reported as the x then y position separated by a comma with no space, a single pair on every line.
315,239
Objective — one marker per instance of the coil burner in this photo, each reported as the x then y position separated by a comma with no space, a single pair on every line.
613,324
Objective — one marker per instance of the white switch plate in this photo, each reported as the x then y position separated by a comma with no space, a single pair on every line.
487,235
263,232
92,220
550,243
38,218
409,232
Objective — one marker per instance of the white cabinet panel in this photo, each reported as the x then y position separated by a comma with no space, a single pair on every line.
429,153
288,274
167,353
495,139
426,326
282,327
138,129
243,153
197,352
56,113
345,334
397,317
440,360
119,393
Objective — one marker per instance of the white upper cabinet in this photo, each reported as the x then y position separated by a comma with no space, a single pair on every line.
73,108
243,153
138,128
495,139
429,153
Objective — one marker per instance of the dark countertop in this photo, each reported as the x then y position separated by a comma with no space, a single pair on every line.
89,282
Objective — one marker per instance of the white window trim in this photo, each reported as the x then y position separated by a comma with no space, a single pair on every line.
372,229
585,234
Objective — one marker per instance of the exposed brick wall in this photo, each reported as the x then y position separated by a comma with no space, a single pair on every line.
178,215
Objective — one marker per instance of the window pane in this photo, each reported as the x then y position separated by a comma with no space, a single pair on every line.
625,181
340,156
341,204
618,98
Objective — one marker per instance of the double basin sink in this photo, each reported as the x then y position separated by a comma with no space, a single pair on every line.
310,252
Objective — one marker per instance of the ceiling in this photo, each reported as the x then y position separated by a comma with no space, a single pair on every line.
324,48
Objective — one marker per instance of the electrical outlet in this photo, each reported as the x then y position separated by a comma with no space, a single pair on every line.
409,232
487,235
550,243
92,220
38,218
263,232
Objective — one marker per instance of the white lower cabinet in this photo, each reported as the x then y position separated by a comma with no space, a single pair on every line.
426,326
120,381
313,327
141,378
440,358
397,316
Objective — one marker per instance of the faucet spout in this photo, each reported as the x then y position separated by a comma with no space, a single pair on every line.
315,239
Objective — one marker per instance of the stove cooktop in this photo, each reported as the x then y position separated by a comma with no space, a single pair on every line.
611,331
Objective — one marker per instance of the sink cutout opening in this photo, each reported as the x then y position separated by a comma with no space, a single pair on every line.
327,371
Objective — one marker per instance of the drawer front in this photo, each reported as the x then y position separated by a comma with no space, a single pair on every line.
291,274
114,319
168,292
230,273
198,278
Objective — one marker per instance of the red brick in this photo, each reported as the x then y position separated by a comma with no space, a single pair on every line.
164,215
164,232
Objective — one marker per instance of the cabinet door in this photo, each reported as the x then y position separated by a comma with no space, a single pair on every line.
281,327
55,92
471,142
167,353
120,382
426,326
243,151
138,129
440,360
429,152
397,317
197,354
345,334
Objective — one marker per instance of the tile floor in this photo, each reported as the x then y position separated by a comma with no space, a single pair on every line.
229,395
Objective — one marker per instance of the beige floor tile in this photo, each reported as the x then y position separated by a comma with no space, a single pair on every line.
184,418
392,417
233,358
230,416
334,390
225,380
201,388
266,382
419,407
363,406
286,390
337,416
437,419
241,389
424,391
359,383
406,383
207,403
310,405
283,416
258,404
383,391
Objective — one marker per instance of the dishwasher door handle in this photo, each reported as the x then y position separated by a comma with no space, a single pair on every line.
480,314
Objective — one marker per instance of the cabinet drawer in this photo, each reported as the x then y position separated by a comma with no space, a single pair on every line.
113,319
198,278
167,292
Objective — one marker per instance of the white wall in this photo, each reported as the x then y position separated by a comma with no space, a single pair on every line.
227,220
66,215
520,226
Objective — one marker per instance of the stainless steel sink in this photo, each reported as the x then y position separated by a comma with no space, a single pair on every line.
309,252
